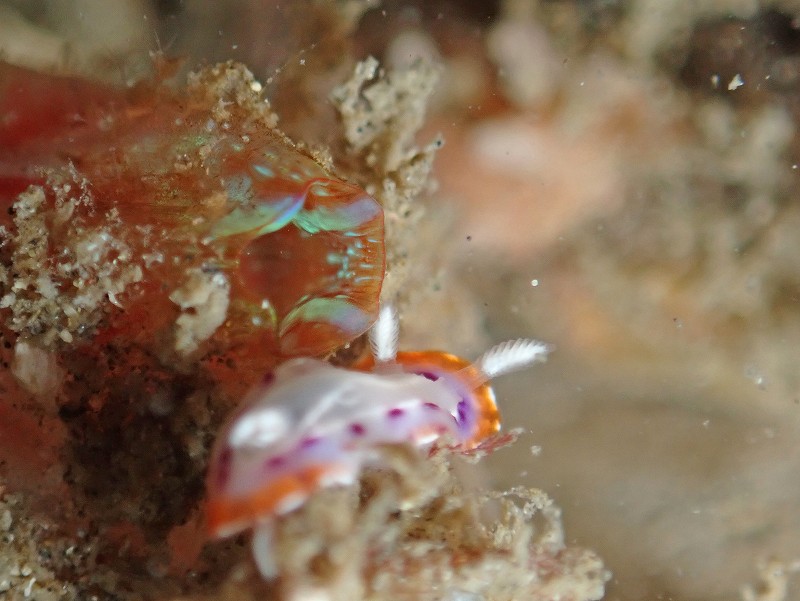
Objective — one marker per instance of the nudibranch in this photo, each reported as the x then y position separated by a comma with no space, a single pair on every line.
310,425
201,193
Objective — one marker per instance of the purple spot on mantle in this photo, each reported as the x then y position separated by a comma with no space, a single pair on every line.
309,442
268,378
357,429
275,462
395,413
432,406
429,375
463,412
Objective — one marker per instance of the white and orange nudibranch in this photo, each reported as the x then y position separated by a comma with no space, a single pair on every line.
310,425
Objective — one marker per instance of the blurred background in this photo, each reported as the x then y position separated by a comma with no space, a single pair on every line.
619,179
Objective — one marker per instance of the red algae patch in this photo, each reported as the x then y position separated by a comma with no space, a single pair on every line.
188,212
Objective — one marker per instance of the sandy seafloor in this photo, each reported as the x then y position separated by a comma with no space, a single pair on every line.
618,179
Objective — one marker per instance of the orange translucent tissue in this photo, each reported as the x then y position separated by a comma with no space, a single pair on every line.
201,223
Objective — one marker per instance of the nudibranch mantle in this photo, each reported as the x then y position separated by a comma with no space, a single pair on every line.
310,425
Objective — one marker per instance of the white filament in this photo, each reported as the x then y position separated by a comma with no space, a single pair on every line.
384,335
510,356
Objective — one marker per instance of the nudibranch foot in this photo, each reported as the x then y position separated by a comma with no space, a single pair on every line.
263,554
311,425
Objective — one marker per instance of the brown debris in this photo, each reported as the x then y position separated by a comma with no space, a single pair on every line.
381,115
58,296
411,530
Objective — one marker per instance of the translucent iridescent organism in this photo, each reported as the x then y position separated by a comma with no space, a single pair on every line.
309,247
199,181
310,425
